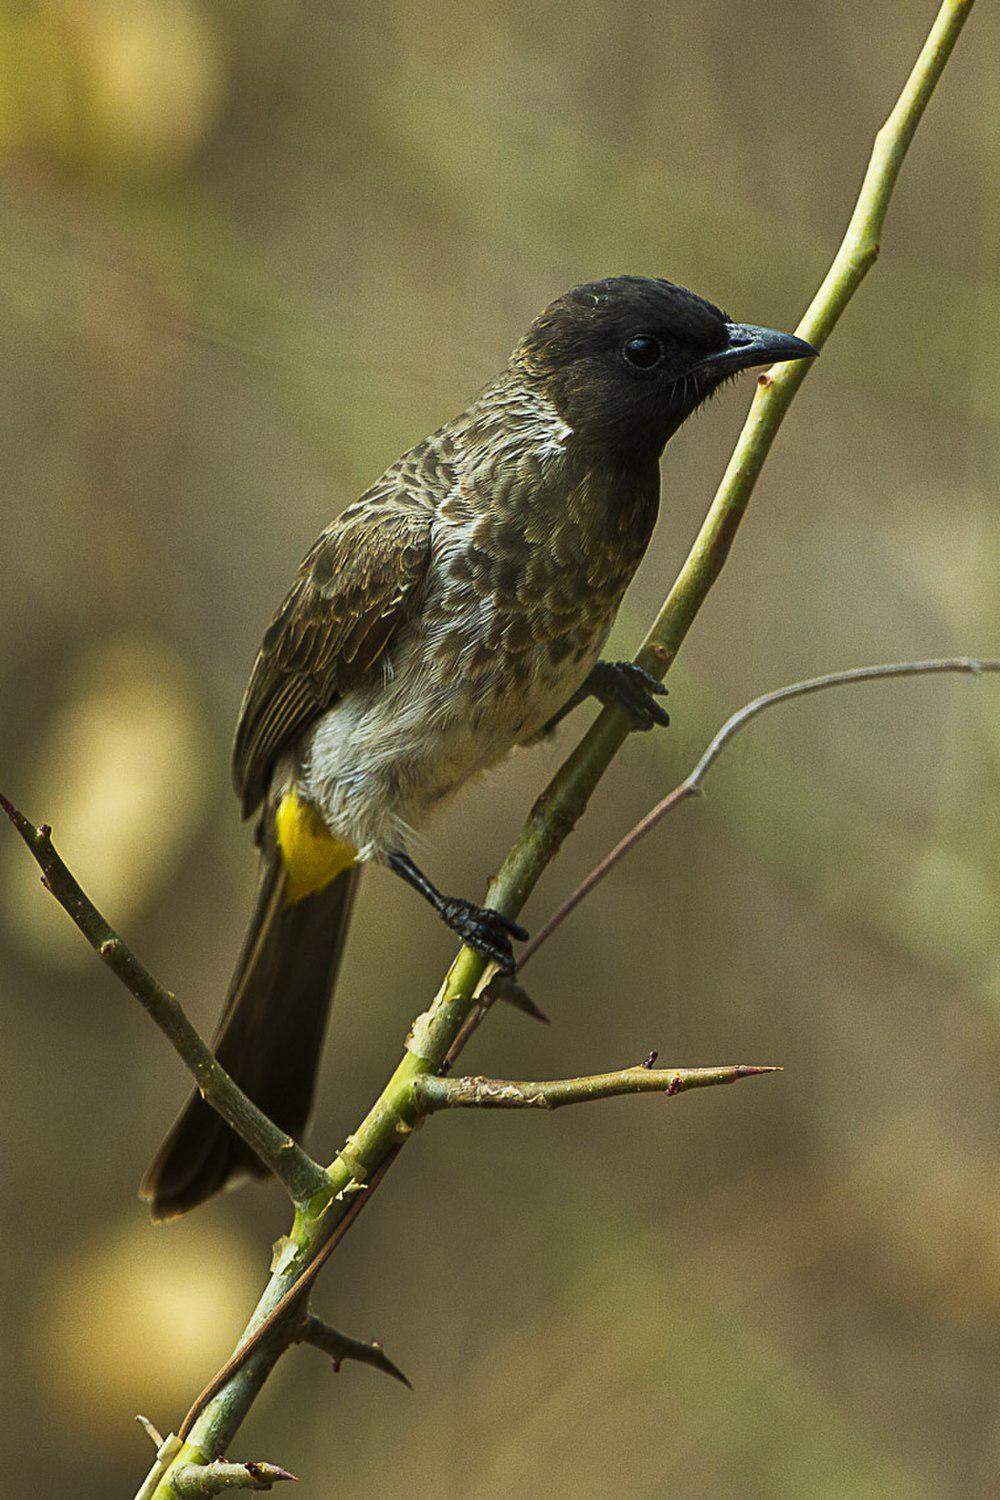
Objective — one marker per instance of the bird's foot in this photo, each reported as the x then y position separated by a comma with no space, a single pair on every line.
479,927
485,930
628,686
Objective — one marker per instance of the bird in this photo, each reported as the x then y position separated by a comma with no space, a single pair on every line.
456,610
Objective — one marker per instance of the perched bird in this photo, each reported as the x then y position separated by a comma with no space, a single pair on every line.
457,609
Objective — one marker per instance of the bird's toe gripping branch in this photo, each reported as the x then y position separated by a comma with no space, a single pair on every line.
624,684
489,932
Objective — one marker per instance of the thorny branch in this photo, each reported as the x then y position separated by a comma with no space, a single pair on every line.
303,1178
340,1347
433,1093
191,1481
328,1202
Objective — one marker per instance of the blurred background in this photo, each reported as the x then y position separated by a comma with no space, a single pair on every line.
252,250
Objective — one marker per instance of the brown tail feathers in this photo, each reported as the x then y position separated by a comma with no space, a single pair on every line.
269,1038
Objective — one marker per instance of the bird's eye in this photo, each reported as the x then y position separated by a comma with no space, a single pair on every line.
643,351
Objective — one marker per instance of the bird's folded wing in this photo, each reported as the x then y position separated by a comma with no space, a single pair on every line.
355,587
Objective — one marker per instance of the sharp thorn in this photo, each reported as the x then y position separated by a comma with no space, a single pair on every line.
503,987
270,1473
389,1367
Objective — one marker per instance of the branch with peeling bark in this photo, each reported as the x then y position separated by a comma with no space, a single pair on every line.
191,1481
433,1093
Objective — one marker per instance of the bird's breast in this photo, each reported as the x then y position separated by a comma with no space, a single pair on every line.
520,594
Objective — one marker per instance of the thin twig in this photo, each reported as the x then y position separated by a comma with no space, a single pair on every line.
433,1094
303,1178
692,784
151,1431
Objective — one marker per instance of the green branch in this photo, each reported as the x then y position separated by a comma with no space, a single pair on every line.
193,1480
437,1034
433,1093
303,1178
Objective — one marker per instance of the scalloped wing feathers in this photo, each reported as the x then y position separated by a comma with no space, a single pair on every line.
355,587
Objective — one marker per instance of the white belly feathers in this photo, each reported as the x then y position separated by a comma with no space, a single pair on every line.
379,760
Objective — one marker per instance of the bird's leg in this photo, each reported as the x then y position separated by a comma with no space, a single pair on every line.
625,685
480,927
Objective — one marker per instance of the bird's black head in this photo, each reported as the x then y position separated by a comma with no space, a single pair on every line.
627,359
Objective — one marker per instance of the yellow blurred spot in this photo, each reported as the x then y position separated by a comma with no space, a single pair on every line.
139,1320
109,85
122,778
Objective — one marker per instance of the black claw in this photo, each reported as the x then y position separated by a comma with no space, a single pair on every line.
634,689
502,954
649,714
514,928
480,927
632,669
487,931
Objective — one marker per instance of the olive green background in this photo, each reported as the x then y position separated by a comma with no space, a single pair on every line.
250,251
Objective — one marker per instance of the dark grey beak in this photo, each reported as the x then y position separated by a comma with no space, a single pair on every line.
748,346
